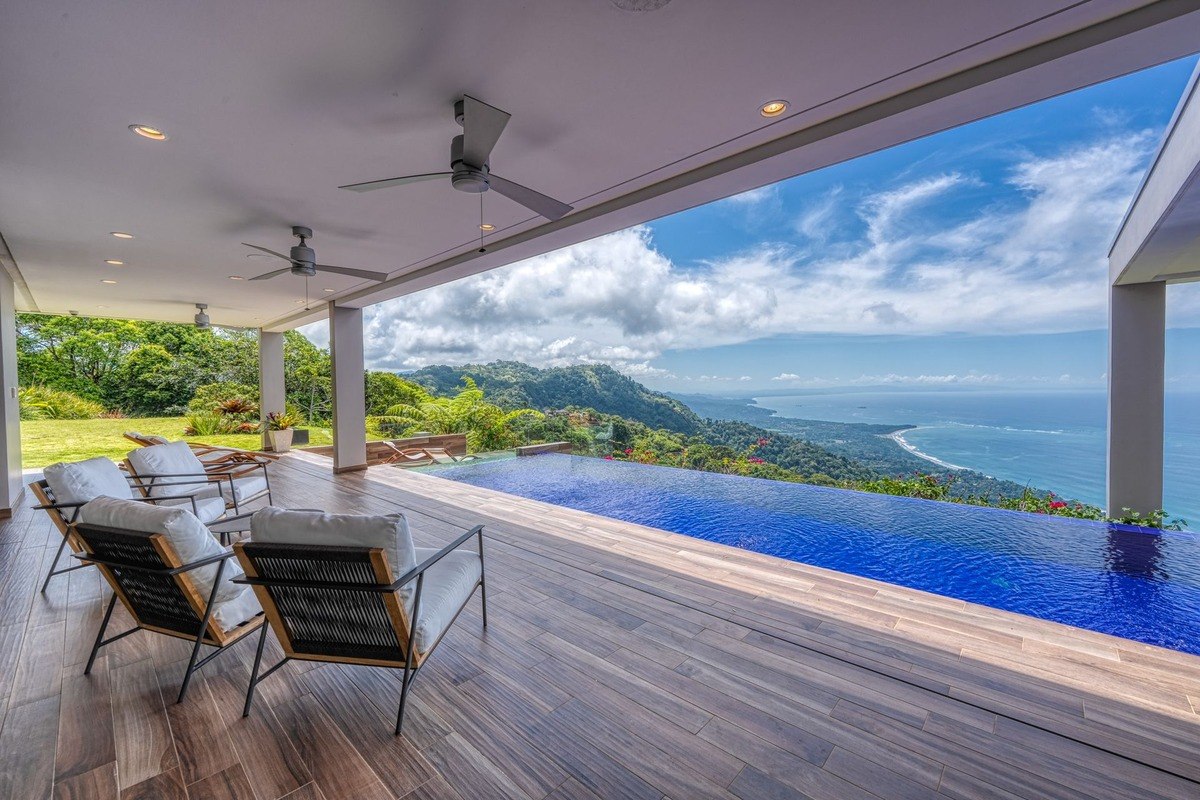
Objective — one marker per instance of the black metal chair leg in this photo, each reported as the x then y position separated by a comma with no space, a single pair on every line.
100,634
408,676
482,579
191,667
54,566
262,640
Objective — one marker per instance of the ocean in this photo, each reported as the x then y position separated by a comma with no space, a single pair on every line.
1048,439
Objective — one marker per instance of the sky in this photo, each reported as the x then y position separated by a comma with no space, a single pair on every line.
972,258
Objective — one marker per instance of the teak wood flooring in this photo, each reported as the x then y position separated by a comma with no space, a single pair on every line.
620,662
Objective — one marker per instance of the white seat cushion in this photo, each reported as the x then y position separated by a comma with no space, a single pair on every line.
447,585
208,509
84,481
191,541
173,458
244,488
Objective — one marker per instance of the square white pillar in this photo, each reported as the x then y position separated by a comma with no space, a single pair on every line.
1137,324
271,392
10,425
349,389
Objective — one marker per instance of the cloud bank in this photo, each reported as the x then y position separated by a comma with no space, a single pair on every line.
1034,263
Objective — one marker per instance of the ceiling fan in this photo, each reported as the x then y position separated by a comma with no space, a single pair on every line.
304,261
469,169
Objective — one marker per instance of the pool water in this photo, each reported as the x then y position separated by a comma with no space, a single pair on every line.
1133,582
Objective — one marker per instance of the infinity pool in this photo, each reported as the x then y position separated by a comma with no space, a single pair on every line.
1133,582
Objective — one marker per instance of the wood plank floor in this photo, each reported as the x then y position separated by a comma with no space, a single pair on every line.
620,662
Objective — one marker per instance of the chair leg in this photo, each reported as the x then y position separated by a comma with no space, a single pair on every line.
54,566
408,676
262,640
191,667
100,634
483,598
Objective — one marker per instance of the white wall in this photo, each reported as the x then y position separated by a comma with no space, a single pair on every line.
10,430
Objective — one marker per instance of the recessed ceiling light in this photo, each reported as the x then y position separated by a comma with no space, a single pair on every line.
327,290
122,235
774,108
487,226
108,281
236,278
299,302
101,306
149,131
114,262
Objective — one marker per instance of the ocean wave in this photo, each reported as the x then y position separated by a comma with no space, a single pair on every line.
1008,428
898,438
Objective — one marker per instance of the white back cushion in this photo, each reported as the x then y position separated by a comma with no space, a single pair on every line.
84,481
186,534
390,532
173,458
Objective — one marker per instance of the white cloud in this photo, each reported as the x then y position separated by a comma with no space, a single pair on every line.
1038,265
760,195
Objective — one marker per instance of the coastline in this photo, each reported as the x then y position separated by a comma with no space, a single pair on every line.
898,438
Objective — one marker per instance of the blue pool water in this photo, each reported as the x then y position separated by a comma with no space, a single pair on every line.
1117,579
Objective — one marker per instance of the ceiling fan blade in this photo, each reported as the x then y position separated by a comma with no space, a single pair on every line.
265,250
357,273
548,207
266,275
371,186
482,126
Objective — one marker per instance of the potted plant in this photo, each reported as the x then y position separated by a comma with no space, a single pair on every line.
279,430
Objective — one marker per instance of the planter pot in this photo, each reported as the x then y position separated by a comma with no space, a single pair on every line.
281,441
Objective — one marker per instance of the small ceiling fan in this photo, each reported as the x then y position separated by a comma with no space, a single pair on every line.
469,169
304,261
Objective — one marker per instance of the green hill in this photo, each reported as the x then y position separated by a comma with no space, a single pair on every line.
511,384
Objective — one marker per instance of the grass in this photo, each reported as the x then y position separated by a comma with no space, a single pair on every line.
45,441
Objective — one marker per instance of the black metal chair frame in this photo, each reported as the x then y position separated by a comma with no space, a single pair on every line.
147,482
417,573
194,662
42,489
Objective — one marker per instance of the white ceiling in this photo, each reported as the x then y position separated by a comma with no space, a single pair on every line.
271,105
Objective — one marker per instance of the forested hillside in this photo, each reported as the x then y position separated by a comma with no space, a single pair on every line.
513,384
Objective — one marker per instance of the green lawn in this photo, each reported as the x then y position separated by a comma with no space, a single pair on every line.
45,441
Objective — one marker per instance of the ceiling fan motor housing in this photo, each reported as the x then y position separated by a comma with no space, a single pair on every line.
466,177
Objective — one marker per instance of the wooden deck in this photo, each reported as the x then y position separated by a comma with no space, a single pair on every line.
621,662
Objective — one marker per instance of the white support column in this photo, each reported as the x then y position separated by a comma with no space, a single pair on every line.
349,389
10,429
271,394
1136,341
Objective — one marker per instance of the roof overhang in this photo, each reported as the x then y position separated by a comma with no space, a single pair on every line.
1159,239
659,129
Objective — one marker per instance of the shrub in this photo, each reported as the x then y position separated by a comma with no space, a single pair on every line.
208,425
236,407
211,395
40,402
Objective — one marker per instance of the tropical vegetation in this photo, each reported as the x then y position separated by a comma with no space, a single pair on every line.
180,380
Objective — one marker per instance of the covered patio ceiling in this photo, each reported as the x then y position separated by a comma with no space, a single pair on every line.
628,116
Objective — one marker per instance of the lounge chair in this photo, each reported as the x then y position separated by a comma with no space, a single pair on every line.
353,589
421,456
173,469
67,487
170,575
211,456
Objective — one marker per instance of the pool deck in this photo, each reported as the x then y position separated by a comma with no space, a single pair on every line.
621,661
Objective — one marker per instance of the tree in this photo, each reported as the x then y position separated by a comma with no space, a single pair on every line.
487,426
387,389
308,377
147,381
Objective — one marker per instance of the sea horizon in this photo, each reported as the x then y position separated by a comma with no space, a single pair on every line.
1052,439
